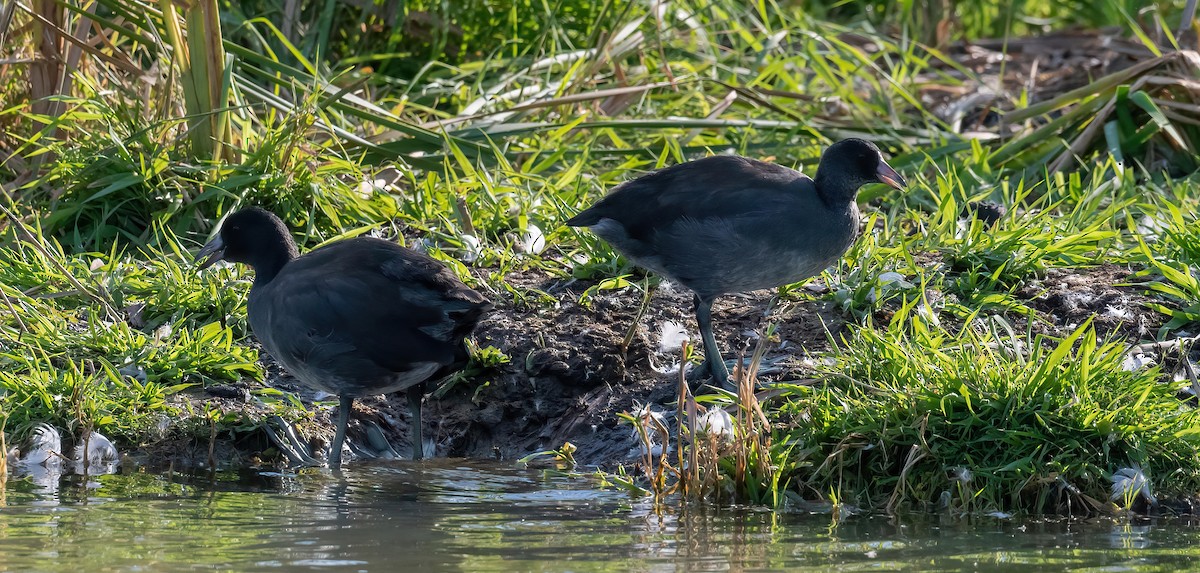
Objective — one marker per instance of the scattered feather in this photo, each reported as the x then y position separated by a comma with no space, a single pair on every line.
1137,361
1129,484
649,422
716,422
667,369
1118,313
423,245
961,475
668,288
1151,228
369,186
471,248
102,456
41,460
163,333
648,418
533,241
672,336
44,448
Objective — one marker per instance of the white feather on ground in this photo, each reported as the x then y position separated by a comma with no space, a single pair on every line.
716,422
671,336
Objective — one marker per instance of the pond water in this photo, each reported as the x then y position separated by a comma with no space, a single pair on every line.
456,515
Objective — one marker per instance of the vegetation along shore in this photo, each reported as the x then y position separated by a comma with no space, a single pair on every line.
1011,331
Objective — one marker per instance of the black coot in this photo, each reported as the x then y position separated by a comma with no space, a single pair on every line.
727,224
354,318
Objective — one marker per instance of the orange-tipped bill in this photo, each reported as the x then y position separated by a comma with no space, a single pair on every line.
211,253
888,176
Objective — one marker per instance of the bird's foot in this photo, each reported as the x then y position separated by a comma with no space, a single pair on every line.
767,365
376,444
699,374
283,434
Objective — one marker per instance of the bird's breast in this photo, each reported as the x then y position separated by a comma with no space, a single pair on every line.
776,251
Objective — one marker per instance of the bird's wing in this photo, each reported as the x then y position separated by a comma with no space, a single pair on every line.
428,282
718,186
373,307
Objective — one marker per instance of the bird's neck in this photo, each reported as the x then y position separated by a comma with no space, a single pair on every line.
836,191
271,260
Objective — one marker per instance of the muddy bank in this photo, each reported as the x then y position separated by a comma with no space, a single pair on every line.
567,378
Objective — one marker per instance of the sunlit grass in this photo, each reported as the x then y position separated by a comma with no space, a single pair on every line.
474,135
100,340
1037,424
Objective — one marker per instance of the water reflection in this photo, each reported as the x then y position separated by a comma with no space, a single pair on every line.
451,515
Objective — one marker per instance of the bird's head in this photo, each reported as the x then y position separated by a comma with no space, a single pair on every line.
851,163
252,236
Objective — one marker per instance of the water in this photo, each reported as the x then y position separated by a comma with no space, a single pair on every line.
453,515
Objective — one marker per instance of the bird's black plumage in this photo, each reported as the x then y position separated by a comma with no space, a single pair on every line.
358,317
727,224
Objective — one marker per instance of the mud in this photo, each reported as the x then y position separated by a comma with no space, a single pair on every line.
1107,294
568,377
566,381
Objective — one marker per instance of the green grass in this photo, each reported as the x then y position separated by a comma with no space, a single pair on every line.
101,339
907,406
503,117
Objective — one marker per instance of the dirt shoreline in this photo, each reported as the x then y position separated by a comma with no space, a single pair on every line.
567,379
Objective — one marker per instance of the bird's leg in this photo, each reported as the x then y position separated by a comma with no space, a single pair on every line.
344,407
712,356
416,394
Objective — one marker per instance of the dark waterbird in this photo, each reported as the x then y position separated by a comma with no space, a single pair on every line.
358,317
727,224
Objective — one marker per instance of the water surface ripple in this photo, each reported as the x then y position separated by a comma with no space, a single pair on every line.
456,515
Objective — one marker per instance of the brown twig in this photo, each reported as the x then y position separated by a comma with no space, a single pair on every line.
13,309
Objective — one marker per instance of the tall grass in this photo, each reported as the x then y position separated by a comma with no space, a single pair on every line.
203,71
